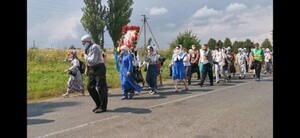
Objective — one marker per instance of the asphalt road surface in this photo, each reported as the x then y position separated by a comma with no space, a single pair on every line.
236,109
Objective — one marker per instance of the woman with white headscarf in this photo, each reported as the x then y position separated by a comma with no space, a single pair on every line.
178,70
241,62
75,83
126,72
268,61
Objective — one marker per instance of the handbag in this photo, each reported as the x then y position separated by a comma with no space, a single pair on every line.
138,77
252,65
201,67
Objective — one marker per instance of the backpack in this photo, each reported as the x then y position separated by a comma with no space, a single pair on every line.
81,66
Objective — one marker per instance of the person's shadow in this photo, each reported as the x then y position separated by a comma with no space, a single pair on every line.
132,110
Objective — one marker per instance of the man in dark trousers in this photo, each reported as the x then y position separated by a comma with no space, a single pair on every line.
206,58
97,85
194,59
258,59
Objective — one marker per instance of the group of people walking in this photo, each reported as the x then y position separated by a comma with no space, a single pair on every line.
183,64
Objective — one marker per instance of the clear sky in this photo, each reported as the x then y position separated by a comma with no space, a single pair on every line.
57,23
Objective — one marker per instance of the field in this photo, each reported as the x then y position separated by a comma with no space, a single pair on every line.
46,78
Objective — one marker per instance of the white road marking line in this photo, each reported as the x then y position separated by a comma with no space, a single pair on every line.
192,96
188,97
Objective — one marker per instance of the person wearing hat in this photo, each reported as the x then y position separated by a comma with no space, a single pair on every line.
75,83
126,72
97,85
257,59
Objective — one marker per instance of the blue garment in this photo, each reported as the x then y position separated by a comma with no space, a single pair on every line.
178,70
127,81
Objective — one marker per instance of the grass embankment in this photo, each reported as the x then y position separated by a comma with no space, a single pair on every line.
46,78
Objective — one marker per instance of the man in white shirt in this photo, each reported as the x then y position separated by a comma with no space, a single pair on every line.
217,57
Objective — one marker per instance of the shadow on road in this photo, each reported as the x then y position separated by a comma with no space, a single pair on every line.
228,84
38,121
264,79
148,98
37,109
235,81
200,90
132,110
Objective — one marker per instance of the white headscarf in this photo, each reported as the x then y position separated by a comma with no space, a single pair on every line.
86,38
124,47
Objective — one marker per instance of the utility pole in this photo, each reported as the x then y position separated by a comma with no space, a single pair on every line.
144,25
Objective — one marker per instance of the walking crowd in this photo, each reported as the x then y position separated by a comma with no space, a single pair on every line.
216,63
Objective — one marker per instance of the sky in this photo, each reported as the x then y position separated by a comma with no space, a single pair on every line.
56,23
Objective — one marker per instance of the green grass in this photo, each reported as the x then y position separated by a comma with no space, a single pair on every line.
46,78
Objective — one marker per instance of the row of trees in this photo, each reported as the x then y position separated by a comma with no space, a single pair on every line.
98,18
187,39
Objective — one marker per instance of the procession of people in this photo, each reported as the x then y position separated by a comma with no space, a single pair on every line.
220,64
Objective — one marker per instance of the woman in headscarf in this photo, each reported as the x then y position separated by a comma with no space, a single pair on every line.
75,83
178,70
268,61
126,72
231,57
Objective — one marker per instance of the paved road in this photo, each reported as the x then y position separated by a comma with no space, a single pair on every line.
237,109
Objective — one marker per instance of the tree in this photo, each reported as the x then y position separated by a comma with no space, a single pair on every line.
227,42
72,47
236,45
118,15
266,44
248,44
93,20
186,39
220,43
211,43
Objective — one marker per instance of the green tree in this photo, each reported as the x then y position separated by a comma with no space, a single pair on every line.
227,42
266,44
72,47
118,15
248,44
236,45
211,43
220,43
186,39
93,20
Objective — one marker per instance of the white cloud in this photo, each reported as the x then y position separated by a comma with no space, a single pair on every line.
205,12
56,29
233,7
170,25
158,11
252,23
